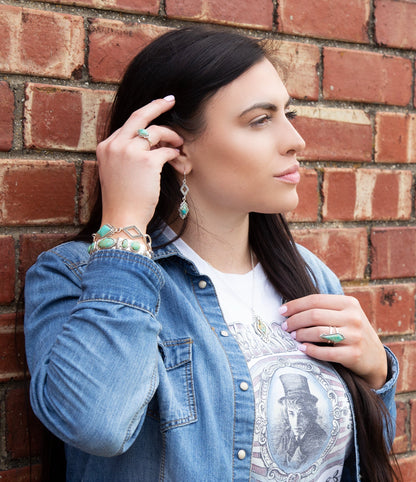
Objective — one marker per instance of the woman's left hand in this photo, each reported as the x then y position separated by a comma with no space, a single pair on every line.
361,350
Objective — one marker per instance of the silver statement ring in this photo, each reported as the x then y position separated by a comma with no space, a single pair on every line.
144,134
334,336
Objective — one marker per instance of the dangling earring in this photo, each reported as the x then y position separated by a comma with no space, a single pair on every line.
184,208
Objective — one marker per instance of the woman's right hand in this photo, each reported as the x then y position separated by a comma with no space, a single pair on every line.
130,170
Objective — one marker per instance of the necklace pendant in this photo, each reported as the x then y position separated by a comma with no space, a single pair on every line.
261,329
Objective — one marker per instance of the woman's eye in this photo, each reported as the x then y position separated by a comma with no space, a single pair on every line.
291,114
261,120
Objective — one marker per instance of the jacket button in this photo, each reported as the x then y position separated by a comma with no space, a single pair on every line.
224,333
202,284
241,454
244,386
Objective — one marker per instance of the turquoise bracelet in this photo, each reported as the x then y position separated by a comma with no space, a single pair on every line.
120,243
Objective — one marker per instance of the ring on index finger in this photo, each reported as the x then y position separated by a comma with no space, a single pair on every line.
332,337
144,134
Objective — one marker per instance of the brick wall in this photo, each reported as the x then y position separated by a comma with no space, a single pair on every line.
353,81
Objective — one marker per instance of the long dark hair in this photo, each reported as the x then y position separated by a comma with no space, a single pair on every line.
193,63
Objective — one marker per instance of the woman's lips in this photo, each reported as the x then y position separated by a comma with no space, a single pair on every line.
292,177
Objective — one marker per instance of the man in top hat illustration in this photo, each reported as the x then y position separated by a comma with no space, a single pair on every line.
303,439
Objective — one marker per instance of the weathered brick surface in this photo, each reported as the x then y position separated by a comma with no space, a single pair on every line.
307,209
7,269
133,6
248,14
343,250
401,441
395,23
406,354
11,347
407,467
366,194
413,423
334,134
42,43
393,252
113,44
395,137
6,116
37,192
331,19
366,77
65,118
22,474
390,308
89,180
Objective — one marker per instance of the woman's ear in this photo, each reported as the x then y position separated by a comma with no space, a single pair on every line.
182,164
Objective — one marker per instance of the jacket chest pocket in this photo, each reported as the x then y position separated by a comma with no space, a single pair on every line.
174,402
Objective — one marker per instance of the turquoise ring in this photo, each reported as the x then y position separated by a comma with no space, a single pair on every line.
332,337
144,134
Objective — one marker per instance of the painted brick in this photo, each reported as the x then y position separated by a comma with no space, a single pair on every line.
134,6
65,118
343,250
32,245
298,65
38,42
401,441
257,14
334,134
12,348
393,252
332,19
390,308
22,474
307,209
395,138
6,116
395,23
19,417
408,467
405,352
365,194
7,269
87,197
413,423
366,77
37,192
113,44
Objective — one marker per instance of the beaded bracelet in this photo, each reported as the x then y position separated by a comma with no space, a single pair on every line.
133,232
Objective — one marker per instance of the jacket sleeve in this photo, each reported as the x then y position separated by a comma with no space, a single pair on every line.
91,342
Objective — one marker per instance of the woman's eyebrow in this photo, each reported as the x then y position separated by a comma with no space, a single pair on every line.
265,106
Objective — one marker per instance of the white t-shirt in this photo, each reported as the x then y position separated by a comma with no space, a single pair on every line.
303,427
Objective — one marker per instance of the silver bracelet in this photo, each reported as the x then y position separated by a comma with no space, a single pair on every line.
120,243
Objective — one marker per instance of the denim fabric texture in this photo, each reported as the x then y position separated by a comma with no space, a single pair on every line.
131,369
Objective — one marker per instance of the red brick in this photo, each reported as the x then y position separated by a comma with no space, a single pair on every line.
64,118
408,468
405,352
366,77
299,63
390,308
6,116
246,14
113,44
133,6
365,194
31,245
12,348
20,424
395,138
413,423
7,269
401,441
393,252
332,19
87,198
335,134
307,209
343,250
22,474
39,42
395,23
37,192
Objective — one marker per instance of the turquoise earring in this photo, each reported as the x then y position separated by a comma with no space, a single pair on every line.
184,208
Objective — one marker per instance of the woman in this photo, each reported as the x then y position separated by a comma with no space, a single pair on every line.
166,363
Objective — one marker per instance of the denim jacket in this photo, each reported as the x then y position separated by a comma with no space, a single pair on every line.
132,367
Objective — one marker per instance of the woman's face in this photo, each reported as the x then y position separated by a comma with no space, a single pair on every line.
245,159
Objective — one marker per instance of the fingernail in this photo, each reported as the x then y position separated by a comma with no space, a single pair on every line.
284,326
282,309
169,98
301,347
293,335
